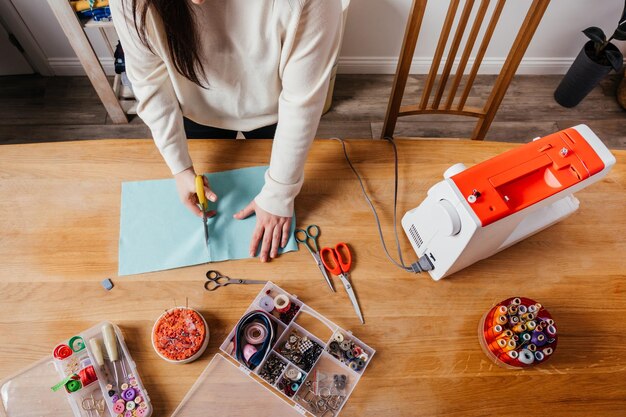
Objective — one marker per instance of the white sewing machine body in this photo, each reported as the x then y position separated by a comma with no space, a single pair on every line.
476,212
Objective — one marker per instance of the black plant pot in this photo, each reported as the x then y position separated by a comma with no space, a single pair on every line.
582,77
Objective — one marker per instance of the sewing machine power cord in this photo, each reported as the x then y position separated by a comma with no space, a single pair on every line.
423,263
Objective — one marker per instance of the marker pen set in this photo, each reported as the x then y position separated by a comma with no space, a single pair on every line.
518,332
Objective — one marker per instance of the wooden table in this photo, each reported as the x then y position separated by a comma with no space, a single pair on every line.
59,222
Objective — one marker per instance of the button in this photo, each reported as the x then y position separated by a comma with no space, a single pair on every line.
119,407
109,387
124,386
338,337
130,405
141,412
133,382
115,398
128,413
138,399
129,394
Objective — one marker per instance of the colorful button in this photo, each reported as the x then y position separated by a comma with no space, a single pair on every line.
128,413
129,394
124,386
130,405
138,399
141,412
133,382
119,407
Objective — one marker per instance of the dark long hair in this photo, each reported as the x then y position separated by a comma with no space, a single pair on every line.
179,24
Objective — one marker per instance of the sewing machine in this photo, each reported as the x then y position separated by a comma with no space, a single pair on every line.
476,212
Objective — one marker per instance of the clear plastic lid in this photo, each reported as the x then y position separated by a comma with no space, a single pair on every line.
226,391
28,393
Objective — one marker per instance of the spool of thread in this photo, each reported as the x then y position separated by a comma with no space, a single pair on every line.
255,333
498,345
282,303
526,357
539,356
550,330
522,309
62,351
516,301
87,375
538,338
495,331
266,303
73,385
507,334
531,325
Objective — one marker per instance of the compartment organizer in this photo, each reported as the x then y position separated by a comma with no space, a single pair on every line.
91,375
302,373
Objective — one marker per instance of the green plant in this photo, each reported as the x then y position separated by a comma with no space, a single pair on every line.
601,54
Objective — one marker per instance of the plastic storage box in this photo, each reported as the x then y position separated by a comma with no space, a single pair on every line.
322,385
83,388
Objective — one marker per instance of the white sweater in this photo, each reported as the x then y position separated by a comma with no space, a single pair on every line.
266,61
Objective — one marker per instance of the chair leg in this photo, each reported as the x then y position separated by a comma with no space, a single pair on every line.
414,23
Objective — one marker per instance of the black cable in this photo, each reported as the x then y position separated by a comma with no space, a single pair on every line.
422,264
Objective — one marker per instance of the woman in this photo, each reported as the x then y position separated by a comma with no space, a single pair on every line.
215,67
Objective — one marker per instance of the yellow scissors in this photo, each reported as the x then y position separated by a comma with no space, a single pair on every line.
204,206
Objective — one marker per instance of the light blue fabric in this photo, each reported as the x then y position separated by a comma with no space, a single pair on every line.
158,232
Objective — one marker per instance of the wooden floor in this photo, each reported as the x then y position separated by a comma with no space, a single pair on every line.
40,109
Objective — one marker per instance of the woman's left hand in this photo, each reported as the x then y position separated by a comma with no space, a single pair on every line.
271,230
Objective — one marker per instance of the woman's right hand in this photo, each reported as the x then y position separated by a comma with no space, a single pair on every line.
186,185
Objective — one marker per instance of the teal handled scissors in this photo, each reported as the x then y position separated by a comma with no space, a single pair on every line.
216,280
338,261
312,232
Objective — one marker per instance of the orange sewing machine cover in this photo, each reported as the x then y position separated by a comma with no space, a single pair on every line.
521,177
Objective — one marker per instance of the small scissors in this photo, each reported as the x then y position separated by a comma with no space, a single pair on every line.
312,232
216,280
338,261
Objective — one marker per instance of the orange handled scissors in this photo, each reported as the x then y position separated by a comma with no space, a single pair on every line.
338,261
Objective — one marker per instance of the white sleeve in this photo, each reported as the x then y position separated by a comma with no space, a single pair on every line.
157,102
305,71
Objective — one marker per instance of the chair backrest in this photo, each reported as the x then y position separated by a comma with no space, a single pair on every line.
433,100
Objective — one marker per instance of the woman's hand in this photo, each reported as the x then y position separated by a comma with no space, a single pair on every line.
271,230
186,185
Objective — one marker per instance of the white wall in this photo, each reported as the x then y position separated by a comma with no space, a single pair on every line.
375,29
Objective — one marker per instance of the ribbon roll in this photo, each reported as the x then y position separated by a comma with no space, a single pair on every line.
282,303
267,303
255,333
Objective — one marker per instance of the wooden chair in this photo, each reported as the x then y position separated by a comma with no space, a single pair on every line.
438,105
